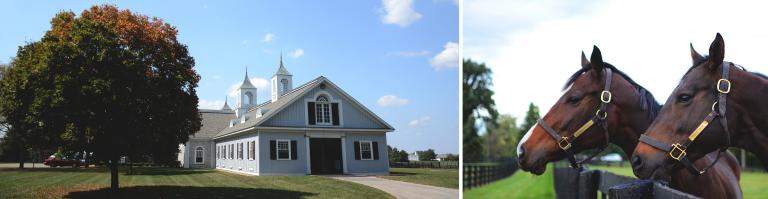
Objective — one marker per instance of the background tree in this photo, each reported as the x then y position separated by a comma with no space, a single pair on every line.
427,155
478,105
531,117
502,139
109,81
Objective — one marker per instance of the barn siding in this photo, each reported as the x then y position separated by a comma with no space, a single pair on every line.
282,167
380,166
240,165
295,115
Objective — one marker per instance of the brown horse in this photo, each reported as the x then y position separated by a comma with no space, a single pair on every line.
716,105
630,111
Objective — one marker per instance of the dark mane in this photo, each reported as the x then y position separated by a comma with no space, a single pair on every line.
647,101
700,62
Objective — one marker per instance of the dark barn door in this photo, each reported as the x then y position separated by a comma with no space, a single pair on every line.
325,155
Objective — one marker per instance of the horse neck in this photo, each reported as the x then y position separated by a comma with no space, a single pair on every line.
748,96
633,122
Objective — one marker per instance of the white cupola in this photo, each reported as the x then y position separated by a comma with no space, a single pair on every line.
247,94
282,81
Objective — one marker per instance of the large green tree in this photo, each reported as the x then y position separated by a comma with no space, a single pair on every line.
427,155
108,81
478,107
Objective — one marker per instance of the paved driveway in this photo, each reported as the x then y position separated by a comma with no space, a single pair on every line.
403,190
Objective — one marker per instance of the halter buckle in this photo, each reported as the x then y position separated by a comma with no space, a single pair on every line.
680,154
606,96
720,85
601,116
564,143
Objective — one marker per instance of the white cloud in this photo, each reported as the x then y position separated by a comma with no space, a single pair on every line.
399,12
420,122
269,37
258,82
210,104
534,46
409,53
392,101
448,58
297,53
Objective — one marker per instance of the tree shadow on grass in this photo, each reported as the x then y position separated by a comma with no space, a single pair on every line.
396,173
136,170
187,192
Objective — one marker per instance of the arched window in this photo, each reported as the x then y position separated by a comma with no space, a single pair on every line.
284,82
323,110
199,155
248,100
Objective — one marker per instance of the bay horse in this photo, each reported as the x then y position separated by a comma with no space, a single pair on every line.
624,111
716,105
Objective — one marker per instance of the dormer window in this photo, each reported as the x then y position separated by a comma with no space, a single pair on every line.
323,110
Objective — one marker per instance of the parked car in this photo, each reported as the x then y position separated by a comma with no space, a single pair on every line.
53,161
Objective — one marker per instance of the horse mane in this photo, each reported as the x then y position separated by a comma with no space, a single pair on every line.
706,58
647,101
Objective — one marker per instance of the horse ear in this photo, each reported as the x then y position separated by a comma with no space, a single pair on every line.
597,59
716,52
695,56
584,61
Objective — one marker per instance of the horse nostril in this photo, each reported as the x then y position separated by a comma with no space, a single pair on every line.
520,153
636,161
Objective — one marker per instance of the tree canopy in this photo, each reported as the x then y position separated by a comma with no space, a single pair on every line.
109,81
478,104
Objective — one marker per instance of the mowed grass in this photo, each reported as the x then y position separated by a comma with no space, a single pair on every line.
172,183
448,178
525,185
519,185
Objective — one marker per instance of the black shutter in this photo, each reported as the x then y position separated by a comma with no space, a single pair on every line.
272,154
357,150
311,111
294,152
375,150
335,113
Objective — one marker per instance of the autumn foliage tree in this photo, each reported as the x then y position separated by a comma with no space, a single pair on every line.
109,81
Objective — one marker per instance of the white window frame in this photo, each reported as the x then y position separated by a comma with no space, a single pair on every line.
370,149
321,108
202,155
252,147
277,149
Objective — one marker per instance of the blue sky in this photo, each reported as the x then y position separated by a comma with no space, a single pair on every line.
397,57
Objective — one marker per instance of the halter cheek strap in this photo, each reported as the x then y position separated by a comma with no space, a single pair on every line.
565,142
677,151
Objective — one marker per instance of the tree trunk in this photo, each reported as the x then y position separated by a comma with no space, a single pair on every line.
21,157
113,170
130,166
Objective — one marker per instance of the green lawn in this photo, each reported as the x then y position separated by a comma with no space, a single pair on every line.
173,183
519,185
525,185
448,178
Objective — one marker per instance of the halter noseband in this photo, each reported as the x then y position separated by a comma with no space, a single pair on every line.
677,151
565,142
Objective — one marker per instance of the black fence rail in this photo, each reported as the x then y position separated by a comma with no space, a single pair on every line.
477,174
587,184
426,164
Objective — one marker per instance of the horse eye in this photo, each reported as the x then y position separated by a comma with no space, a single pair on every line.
683,98
574,99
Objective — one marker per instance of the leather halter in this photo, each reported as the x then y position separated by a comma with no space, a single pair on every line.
677,151
565,142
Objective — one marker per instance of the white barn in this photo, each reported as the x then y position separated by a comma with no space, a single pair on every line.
314,128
